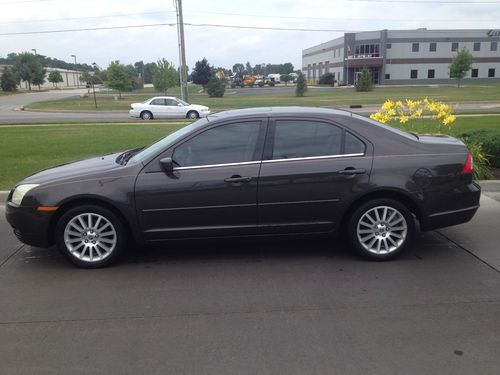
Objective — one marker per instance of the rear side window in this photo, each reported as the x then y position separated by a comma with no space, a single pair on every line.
232,143
300,139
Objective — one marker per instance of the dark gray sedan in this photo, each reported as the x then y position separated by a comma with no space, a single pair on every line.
254,172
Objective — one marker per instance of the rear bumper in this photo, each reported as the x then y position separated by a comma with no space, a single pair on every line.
30,226
468,197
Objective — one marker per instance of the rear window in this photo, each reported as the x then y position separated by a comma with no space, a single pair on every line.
387,127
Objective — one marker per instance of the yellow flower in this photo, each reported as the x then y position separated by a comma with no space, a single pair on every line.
403,119
449,120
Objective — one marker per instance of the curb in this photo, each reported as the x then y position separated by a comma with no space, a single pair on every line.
490,186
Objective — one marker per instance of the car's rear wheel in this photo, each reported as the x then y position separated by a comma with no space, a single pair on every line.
193,115
90,236
381,229
146,115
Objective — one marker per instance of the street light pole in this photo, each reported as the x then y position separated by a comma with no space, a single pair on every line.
76,74
182,51
34,50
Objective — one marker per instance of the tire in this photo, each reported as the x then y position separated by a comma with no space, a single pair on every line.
146,115
193,115
90,246
381,229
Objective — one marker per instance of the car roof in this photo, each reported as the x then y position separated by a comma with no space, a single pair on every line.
164,97
279,111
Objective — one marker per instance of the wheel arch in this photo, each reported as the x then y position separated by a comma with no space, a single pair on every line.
191,111
79,201
403,197
146,110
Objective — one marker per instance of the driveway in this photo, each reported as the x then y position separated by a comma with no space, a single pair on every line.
258,307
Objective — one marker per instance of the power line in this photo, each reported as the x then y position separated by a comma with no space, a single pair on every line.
88,17
87,29
24,1
428,1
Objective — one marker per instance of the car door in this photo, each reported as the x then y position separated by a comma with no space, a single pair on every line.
213,188
173,109
158,108
309,170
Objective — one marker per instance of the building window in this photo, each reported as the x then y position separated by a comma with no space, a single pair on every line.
491,73
477,46
387,76
454,46
413,74
475,73
372,50
415,47
430,73
432,47
388,46
493,46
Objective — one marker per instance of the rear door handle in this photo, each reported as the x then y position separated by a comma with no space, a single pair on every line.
237,178
351,171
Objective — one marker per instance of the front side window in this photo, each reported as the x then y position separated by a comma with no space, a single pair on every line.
302,139
171,102
232,143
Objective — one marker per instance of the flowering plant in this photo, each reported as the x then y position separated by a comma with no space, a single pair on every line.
405,111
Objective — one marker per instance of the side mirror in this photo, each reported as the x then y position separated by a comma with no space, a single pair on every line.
180,105
167,165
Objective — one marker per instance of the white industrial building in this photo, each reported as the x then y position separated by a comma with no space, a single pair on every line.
71,78
404,56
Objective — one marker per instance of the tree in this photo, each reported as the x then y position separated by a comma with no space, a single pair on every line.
27,67
248,68
119,78
38,75
55,77
148,72
460,64
215,87
364,81
8,80
238,68
164,76
286,78
301,87
286,68
201,72
327,79
85,77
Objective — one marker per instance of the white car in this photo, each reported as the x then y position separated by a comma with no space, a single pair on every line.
167,107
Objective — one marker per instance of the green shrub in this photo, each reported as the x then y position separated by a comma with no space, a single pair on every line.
215,87
481,165
301,87
364,82
327,79
489,139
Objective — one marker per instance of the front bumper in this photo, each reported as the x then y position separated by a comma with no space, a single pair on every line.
133,113
30,226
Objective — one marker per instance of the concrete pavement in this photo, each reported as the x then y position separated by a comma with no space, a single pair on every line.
257,307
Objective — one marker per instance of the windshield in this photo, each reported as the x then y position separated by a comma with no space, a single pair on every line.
160,145
146,101
182,102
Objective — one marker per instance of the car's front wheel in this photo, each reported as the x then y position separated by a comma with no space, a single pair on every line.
90,236
381,229
146,115
193,115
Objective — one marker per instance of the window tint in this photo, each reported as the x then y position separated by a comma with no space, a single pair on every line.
158,102
171,102
232,143
298,139
353,145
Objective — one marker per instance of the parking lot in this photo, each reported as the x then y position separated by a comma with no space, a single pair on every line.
258,307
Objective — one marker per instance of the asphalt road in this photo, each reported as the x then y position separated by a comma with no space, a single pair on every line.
257,307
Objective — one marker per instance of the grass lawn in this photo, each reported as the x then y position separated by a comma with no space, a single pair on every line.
25,149
316,98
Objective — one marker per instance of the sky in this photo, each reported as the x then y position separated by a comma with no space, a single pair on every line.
222,46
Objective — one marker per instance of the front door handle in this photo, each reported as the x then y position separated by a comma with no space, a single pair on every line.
351,171
237,178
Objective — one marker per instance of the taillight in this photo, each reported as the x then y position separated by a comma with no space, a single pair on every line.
469,164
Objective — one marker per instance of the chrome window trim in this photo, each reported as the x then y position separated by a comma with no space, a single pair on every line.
217,165
315,158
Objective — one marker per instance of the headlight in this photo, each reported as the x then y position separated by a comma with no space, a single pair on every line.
20,192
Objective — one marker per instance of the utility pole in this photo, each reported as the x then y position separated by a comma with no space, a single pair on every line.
76,73
182,51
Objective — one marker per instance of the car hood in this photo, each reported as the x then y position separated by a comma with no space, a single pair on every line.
197,106
78,169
